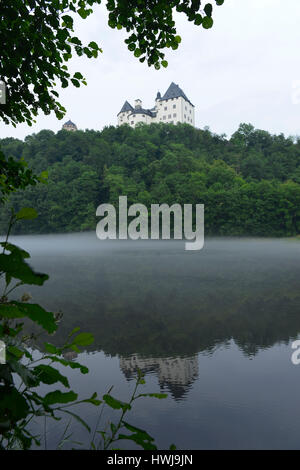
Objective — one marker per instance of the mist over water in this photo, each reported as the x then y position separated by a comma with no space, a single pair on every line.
212,328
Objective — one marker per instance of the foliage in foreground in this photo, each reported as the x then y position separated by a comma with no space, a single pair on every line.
21,402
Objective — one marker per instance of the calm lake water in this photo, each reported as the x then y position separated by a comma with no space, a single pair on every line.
212,329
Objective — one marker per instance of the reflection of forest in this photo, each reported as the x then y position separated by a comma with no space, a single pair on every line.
174,373
163,302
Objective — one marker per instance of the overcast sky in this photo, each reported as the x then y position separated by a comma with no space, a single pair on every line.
245,69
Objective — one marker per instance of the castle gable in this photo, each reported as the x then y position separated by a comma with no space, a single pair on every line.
126,107
174,91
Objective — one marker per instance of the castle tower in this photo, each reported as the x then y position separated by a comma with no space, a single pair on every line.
69,126
137,104
124,113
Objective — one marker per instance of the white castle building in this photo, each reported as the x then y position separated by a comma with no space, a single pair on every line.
172,108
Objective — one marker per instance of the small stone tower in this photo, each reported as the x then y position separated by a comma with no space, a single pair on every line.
69,126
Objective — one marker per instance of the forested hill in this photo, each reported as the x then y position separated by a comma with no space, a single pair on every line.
250,184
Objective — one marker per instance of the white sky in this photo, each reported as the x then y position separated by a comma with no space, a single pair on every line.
245,69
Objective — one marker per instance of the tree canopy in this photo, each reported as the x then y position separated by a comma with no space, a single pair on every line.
38,40
250,183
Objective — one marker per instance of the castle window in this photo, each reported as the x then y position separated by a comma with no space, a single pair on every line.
166,108
190,111
132,122
174,106
169,117
185,116
164,118
174,115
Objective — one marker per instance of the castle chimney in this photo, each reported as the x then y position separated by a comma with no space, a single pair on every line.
138,104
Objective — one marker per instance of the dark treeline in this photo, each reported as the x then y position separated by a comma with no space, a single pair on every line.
250,184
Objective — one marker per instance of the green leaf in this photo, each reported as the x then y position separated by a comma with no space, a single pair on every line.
78,75
137,430
94,45
207,22
13,248
139,439
33,311
15,266
83,13
50,348
198,19
15,351
92,400
160,396
83,339
57,396
219,2
44,174
26,375
164,63
72,364
27,213
68,21
49,375
116,404
177,39
64,82
75,82
77,328
75,40
13,404
137,53
208,9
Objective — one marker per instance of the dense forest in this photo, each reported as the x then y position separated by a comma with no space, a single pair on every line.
250,183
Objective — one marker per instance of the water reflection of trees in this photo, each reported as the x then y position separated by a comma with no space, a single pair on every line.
166,304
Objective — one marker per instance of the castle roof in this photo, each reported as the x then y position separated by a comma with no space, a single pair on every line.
143,111
126,107
69,123
174,91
